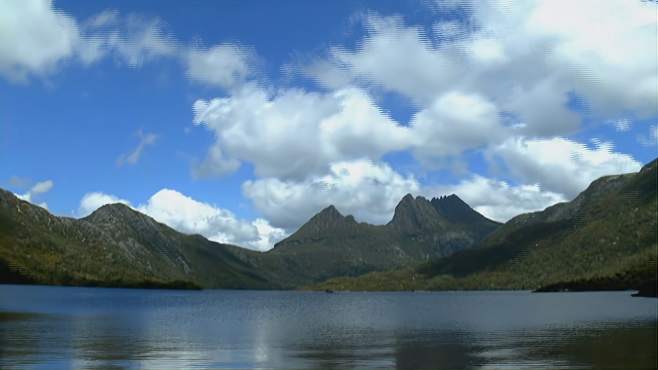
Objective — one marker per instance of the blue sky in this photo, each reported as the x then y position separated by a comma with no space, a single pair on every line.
239,120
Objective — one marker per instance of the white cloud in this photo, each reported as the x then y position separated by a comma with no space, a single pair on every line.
223,65
500,201
519,55
92,201
455,122
145,139
393,56
369,191
291,132
193,217
560,165
42,187
34,38
130,39
497,199
35,191
514,61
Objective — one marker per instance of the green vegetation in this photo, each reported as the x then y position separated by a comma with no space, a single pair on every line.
332,245
603,239
115,246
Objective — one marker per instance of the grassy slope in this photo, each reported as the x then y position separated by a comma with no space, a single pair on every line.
610,238
36,247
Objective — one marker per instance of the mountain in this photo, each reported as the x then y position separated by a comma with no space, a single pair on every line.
118,246
439,227
331,244
114,246
604,238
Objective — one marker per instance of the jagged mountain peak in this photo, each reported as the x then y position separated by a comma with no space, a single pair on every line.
329,212
448,203
329,217
414,214
455,210
448,198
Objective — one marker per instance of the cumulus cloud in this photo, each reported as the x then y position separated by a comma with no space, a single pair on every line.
456,122
463,77
131,39
92,201
145,139
368,190
561,165
34,38
188,215
290,133
519,55
35,191
498,200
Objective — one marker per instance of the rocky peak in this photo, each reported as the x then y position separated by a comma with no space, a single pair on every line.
328,222
414,214
118,215
109,212
328,213
455,210
329,218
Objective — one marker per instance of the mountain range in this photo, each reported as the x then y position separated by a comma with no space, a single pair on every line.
118,246
605,235
603,239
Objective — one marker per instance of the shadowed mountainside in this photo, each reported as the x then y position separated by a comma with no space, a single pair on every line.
331,244
118,246
114,246
603,239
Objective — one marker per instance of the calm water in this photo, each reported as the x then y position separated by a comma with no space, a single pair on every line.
61,328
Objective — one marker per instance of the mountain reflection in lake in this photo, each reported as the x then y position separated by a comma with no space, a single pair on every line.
92,328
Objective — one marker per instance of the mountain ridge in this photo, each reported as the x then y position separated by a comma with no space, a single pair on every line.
457,247
333,244
113,246
604,238
139,249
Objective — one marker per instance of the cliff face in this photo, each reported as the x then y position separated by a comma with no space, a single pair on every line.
331,244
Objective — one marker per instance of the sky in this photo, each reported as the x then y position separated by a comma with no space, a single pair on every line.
239,120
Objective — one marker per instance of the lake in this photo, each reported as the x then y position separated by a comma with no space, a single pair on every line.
95,328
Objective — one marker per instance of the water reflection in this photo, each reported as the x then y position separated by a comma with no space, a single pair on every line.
59,328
